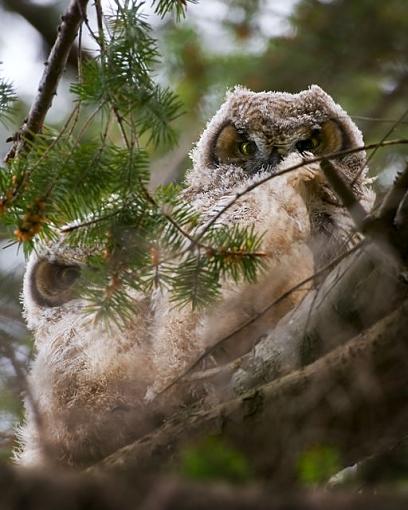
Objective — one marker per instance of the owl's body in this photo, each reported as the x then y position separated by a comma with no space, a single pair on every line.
95,388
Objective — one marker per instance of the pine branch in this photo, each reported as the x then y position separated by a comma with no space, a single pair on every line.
55,66
7,98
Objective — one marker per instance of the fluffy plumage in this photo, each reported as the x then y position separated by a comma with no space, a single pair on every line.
95,388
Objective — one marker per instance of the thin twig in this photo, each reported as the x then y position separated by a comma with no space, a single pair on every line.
378,119
387,134
267,178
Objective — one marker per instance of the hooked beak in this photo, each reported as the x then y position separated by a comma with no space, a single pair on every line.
274,159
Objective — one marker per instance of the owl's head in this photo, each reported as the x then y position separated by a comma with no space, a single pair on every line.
50,281
254,132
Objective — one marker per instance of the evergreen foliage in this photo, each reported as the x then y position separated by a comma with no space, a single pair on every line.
94,191
7,98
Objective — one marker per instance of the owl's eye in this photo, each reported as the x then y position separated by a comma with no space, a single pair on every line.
247,148
329,137
232,146
309,144
52,283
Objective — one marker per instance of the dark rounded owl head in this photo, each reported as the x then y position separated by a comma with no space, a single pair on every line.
257,131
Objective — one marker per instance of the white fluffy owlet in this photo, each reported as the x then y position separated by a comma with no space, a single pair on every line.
95,389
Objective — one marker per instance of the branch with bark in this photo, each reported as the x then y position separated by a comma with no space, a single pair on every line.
67,491
54,67
353,400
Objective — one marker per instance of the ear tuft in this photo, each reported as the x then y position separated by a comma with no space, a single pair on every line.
318,92
238,90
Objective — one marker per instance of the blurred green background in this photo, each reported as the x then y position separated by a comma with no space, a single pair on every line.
354,49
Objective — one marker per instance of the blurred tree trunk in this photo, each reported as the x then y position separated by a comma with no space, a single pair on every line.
51,490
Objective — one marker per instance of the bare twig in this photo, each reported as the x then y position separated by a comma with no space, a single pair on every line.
386,135
67,32
378,119
268,177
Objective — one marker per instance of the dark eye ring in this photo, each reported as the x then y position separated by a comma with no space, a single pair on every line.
52,283
247,148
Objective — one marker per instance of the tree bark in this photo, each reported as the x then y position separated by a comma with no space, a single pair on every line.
354,401
363,289
67,32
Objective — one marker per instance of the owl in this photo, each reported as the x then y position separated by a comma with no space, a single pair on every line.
94,389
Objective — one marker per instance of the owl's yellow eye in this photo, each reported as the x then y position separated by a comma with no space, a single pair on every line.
232,146
329,137
309,144
247,148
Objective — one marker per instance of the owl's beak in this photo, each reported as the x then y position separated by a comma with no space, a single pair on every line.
274,159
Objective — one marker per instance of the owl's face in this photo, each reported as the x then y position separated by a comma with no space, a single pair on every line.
265,149
255,132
